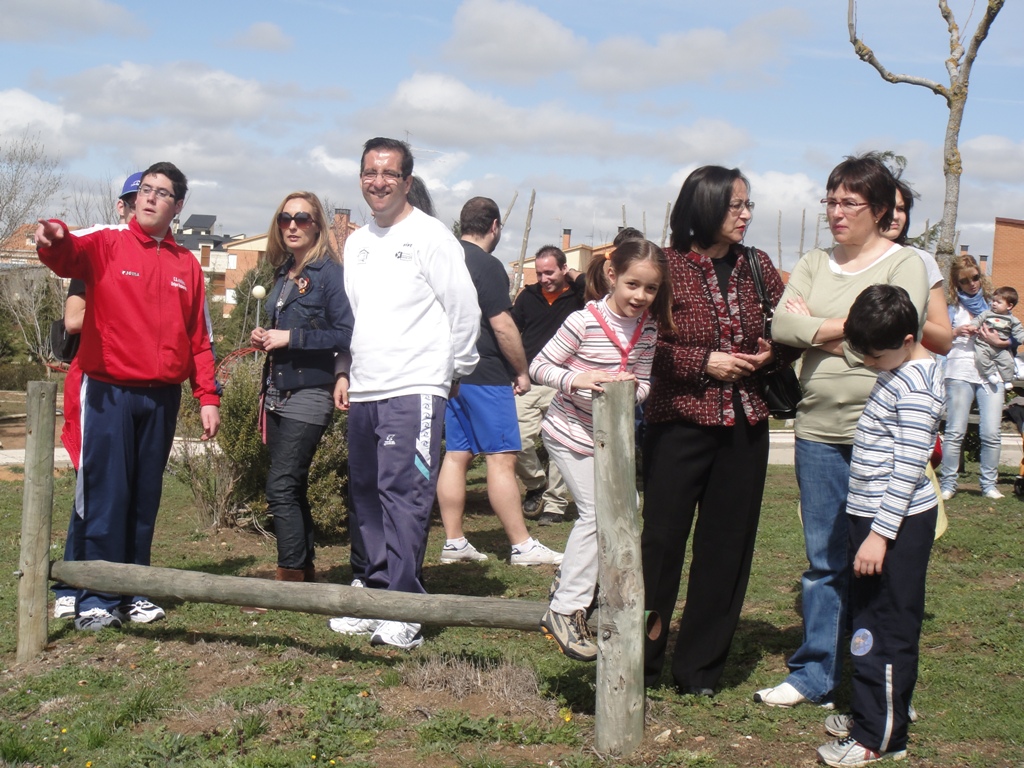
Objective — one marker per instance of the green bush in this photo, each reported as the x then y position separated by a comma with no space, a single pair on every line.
235,477
16,376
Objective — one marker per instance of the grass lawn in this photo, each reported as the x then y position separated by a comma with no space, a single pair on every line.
213,686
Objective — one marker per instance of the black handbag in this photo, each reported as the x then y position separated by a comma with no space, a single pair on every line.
63,344
782,391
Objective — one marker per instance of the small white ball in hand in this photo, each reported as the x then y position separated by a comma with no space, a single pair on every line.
258,292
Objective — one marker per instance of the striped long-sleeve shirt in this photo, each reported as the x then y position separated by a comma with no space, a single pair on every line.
893,442
580,345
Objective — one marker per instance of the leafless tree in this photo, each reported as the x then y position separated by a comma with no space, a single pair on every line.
85,203
34,298
958,65
28,179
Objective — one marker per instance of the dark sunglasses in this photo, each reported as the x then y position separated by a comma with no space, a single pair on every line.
301,219
967,280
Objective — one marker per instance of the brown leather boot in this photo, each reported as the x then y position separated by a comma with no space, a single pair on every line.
309,573
289,574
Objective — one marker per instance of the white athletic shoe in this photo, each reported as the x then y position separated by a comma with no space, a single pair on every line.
538,554
350,625
400,634
785,695
992,493
467,553
64,607
144,612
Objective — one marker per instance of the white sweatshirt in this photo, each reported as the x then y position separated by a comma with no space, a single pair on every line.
416,312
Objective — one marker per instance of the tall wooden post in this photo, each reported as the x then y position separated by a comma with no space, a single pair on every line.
619,709
37,506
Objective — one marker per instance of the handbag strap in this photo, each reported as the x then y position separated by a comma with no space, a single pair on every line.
762,294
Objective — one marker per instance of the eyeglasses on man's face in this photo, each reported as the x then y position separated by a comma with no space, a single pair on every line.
390,177
164,194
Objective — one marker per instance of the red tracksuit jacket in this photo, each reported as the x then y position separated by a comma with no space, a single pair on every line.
145,320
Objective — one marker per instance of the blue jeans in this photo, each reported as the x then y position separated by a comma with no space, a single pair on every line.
823,474
959,396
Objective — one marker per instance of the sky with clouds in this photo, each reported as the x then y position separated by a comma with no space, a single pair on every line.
596,105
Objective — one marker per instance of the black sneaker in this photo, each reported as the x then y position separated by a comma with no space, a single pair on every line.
571,633
532,503
550,518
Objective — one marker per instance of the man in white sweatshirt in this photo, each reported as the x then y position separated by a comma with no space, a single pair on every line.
416,324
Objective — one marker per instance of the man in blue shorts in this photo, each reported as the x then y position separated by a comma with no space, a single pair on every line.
481,418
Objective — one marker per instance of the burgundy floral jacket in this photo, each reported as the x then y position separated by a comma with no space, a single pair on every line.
708,321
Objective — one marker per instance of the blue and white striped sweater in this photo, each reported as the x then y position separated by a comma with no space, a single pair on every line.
893,443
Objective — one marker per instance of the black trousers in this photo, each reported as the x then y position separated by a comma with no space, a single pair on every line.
886,612
291,445
720,471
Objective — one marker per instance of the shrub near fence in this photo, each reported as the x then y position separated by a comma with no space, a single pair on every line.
232,480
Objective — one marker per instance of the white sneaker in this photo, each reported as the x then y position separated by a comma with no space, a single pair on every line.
992,493
64,607
947,495
538,554
400,634
144,612
467,553
96,619
350,625
785,695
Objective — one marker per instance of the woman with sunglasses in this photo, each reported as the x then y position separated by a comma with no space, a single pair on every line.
309,321
968,295
859,203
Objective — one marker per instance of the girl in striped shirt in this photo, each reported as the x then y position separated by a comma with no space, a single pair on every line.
611,339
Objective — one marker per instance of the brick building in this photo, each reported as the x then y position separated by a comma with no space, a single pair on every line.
1006,266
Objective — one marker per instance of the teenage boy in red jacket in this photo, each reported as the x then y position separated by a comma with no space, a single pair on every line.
144,333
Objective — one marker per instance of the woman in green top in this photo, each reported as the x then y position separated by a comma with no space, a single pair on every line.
859,205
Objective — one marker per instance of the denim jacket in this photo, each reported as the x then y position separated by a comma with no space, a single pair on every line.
317,312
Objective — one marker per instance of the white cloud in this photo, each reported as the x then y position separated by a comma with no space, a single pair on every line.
262,36
533,45
511,42
345,167
185,90
55,20
20,110
994,158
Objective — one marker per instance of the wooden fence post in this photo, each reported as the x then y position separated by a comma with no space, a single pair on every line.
36,510
619,709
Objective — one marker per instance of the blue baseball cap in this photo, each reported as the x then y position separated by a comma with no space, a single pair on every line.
131,185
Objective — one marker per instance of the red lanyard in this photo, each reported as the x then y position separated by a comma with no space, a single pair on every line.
611,334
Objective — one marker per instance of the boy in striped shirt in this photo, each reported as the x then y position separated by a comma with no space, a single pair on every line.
892,510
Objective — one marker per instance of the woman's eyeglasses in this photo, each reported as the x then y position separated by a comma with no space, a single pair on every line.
969,279
736,206
301,219
848,207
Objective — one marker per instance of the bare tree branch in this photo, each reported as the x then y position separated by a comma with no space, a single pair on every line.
28,179
958,65
866,54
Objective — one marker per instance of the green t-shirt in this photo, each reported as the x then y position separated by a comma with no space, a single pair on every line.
837,387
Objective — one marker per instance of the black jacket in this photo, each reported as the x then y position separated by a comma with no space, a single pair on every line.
538,320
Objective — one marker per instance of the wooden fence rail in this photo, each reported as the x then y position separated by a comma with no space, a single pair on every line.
621,624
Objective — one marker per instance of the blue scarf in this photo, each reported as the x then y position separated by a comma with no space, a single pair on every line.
975,304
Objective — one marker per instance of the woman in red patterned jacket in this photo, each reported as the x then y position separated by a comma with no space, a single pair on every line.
706,443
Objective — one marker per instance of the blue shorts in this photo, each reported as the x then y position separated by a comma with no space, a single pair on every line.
482,419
